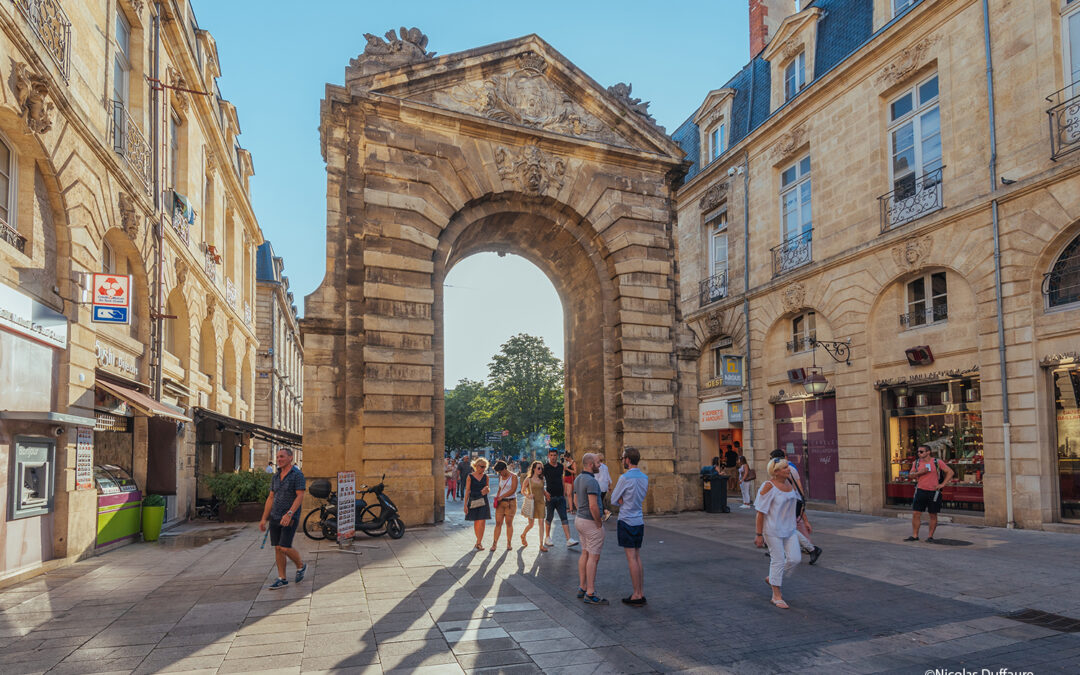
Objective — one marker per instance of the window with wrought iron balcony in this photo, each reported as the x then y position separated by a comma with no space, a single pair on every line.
52,27
128,140
927,301
715,286
795,219
915,147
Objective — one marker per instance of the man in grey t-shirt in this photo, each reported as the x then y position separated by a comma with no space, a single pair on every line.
590,527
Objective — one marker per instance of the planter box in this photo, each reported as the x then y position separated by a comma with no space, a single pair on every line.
245,512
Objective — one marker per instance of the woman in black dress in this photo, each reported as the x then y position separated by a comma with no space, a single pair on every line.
476,491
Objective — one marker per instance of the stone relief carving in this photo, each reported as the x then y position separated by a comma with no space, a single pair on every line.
530,169
913,252
177,80
129,217
907,61
181,268
211,305
791,49
713,196
789,142
712,324
794,297
407,46
211,162
621,91
526,98
137,5
30,92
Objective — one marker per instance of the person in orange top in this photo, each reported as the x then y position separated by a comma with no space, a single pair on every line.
933,475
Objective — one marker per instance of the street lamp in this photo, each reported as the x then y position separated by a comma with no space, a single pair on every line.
815,383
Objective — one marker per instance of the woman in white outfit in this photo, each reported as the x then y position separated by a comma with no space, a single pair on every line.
775,506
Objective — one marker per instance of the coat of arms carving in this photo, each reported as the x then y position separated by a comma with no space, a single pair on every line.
530,169
913,252
713,196
794,297
907,61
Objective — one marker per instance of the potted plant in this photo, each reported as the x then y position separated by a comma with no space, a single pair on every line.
153,516
243,494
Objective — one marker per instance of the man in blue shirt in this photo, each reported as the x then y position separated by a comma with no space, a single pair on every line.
282,513
629,494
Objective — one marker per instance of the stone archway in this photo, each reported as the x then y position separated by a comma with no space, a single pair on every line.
506,148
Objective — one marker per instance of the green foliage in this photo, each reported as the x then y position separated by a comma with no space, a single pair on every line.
153,500
243,486
465,423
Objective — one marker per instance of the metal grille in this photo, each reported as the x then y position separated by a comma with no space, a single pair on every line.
51,25
1061,285
712,289
12,236
1037,617
109,422
927,316
793,253
129,143
1064,120
912,200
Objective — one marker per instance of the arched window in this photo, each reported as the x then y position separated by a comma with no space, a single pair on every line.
803,331
1061,285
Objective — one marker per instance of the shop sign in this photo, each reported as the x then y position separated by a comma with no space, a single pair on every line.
25,316
926,377
346,497
84,458
713,415
111,298
723,342
735,411
1064,358
109,357
732,375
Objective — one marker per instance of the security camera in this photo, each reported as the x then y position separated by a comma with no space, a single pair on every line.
58,431
731,171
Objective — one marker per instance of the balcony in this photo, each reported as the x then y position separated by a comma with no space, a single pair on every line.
925,317
12,236
915,198
129,143
1061,285
230,293
51,25
712,289
793,253
1064,120
210,263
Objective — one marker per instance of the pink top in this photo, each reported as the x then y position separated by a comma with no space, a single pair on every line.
928,481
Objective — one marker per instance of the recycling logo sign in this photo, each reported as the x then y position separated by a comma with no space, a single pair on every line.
112,298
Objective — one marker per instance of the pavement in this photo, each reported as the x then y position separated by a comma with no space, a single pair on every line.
197,601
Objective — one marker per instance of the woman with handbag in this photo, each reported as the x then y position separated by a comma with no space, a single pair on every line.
533,505
746,481
505,504
476,501
775,523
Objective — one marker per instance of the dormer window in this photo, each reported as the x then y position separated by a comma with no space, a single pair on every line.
711,119
795,76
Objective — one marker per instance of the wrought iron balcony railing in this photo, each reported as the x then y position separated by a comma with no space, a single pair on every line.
915,198
51,25
12,236
1064,115
230,293
794,252
1061,285
803,344
129,143
712,289
925,317
247,313
210,265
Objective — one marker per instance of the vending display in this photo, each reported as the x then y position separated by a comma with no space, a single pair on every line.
119,505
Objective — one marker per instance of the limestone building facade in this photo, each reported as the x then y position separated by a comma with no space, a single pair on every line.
867,200
279,366
118,156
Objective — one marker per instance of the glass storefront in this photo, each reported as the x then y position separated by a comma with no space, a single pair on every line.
947,417
1067,416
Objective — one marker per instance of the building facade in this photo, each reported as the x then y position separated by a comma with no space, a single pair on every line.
119,158
882,229
279,366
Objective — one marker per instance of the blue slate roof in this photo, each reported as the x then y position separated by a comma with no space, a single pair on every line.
264,262
843,27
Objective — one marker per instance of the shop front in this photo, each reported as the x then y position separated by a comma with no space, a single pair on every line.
720,425
806,432
944,412
223,444
1065,375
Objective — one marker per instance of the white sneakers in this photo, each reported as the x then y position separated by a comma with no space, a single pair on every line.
548,542
571,542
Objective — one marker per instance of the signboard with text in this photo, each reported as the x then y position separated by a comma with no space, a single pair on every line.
346,499
732,374
111,295
713,415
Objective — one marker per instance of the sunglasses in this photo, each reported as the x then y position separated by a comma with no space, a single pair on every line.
922,452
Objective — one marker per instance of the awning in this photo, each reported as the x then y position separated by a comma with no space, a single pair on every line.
45,416
257,430
142,403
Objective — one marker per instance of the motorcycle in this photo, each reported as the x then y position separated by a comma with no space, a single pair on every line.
375,519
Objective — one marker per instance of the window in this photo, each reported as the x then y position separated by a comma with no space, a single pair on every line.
1071,45
122,60
7,184
803,330
717,362
795,200
108,261
174,151
1061,285
795,76
899,6
716,141
915,139
927,300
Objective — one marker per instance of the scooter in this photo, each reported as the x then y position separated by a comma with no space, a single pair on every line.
375,520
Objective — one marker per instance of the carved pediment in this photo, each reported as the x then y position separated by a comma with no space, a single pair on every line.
713,196
907,61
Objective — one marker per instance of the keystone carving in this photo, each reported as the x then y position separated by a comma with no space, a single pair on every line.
713,196
177,80
129,217
30,92
913,252
791,49
526,98
211,305
137,5
181,268
407,46
789,142
712,324
621,91
907,61
794,297
530,169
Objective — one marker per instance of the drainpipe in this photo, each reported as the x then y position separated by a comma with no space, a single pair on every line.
158,347
748,410
997,271
273,368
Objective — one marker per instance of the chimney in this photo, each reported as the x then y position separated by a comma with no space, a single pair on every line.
765,17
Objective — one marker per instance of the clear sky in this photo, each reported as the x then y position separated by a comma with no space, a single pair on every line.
276,58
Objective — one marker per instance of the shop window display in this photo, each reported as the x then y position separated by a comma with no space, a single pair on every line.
1067,415
945,416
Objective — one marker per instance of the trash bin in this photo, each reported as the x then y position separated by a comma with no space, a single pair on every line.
714,488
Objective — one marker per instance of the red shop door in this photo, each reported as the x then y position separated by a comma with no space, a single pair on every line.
823,450
789,433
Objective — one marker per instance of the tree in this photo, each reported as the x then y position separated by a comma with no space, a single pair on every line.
525,390
464,428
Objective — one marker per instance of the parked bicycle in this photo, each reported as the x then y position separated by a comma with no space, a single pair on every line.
375,519
209,509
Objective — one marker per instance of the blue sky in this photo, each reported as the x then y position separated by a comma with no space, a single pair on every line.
276,58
